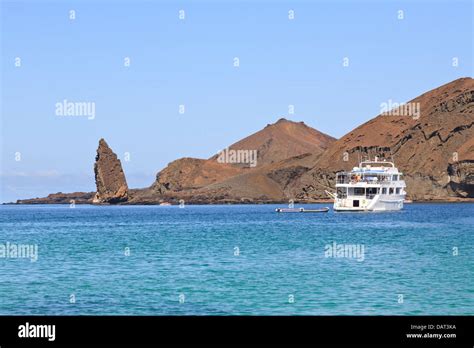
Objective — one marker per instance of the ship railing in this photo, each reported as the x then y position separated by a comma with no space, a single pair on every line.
350,178
355,181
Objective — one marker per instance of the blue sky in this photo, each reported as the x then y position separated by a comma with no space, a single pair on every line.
190,62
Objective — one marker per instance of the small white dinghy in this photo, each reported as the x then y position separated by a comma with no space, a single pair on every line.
301,210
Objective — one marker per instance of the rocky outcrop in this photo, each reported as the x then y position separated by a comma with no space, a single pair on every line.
461,170
109,177
462,178
192,173
61,198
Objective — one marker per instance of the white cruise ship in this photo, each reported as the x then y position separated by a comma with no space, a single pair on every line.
373,186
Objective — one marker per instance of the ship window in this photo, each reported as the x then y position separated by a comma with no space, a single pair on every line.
398,190
384,191
359,191
390,192
401,177
394,177
371,191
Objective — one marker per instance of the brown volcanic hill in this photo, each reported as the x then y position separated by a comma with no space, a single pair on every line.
422,148
283,139
276,142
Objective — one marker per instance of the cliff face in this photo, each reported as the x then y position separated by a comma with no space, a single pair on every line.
462,178
461,170
109,177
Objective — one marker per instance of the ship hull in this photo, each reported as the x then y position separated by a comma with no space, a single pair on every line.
378,203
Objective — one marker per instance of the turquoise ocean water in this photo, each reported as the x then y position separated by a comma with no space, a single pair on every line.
237,259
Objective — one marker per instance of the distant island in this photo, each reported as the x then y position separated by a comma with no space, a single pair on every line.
432,143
